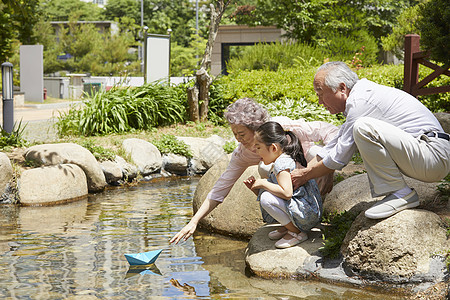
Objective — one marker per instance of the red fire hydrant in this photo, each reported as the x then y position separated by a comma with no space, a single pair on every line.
45,94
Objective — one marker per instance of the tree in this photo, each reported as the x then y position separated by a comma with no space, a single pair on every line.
308,20
61,10
17,19
406,24
434,27
198,95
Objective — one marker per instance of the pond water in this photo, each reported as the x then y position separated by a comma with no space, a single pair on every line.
76,251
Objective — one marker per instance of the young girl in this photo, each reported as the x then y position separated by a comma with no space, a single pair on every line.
297,211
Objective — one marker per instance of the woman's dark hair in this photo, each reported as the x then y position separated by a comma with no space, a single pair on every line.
272,132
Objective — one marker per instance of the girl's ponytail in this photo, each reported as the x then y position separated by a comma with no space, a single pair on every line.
294,148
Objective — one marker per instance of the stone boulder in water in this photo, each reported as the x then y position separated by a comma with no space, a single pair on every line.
239,214
69,153
6,171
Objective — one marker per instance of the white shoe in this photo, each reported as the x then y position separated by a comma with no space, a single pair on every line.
277,234
294,239
391,205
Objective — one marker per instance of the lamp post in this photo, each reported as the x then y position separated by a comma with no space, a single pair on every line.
8,97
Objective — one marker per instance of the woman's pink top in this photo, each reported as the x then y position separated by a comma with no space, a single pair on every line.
309,134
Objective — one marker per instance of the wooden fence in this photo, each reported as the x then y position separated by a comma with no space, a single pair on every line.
413,58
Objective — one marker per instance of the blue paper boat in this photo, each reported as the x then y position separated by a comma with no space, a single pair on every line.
143,258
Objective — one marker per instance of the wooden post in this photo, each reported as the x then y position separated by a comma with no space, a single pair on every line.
411,68
192,96
203,82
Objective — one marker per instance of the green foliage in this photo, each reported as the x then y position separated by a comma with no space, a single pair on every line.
271,57
229,147
126,109
406,24
434,29
389,75
217,102
300,109
61,10
444,188
185,60
17,19
344,46
13,139
170,144
337,226
100,153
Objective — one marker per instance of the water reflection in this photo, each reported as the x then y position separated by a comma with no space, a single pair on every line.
76,250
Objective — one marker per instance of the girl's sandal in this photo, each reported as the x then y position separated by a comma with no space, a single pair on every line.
277,234
296,238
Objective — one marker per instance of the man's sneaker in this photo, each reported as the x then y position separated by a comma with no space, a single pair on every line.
391,205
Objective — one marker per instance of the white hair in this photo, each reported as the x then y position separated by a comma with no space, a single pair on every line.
338,72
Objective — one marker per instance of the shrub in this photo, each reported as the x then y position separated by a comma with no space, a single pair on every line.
126,109
13,139
337,226
170,144
272,57
100,153
433,27
343,47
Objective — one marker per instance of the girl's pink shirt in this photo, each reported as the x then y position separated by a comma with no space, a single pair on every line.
309,134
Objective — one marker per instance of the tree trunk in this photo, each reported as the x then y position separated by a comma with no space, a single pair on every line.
202,78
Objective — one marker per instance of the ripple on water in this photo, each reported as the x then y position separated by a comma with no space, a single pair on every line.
76,249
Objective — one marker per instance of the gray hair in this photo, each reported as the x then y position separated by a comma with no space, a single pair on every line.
246,112
338,72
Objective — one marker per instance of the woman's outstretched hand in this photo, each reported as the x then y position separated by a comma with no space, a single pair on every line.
184,233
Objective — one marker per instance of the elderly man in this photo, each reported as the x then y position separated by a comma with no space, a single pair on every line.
394,133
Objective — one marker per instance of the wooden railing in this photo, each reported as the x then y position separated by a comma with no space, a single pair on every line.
413,58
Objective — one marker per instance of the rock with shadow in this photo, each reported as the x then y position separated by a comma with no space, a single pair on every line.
239,214
69,153
52,184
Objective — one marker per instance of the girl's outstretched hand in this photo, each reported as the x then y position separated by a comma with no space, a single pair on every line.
249,182
184,233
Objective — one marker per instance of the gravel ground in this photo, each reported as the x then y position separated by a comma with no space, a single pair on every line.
40,131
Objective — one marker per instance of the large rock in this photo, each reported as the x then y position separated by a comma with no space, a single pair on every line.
206,152
398,249
145,155
266,261
444,119
68,153
113,172
52,184
129,171
6,171
353,194
239,214
174,163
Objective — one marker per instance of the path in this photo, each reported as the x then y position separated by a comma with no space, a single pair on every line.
39,120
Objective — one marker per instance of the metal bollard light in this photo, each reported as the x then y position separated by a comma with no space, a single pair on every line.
8,97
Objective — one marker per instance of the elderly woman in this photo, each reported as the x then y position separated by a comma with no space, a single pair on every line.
244,117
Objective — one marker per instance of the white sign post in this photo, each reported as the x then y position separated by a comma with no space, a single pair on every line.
32,72
157,58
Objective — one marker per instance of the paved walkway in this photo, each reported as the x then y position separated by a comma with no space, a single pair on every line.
39,120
